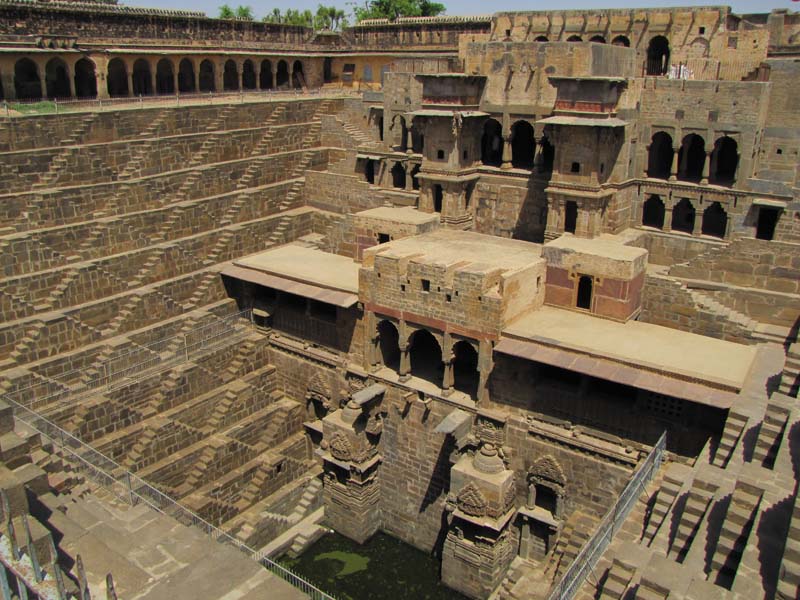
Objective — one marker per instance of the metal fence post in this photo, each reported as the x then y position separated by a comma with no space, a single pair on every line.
130,487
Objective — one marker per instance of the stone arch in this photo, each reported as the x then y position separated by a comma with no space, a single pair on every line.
715,221
230,76
165,77
207,81
692,158
658,56
523,145
27,84
142,80
683,215
398,176
724,161
117,78
660,155
425,354
547,485
492,143
621,40
85,79
574,38
318,397
186,77
699,48
541,38
597,39
389,344
248,75
266,81
653,212
56,78
465,368
282,74
298,77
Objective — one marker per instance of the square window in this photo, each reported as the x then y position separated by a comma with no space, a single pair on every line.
466,154
402,287
440,154
576,167
733,42
779,151
426,285
383,238
702,30
449,297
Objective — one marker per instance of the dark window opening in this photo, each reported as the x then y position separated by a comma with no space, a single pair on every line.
584,299
142,83
724,161
165,79
574,38
683,215
575,168
438,196
767,220
186,82
621,40
265,81
541,38
715,221
546,498
660,155
653,212
426,285
298,77
440,154
56,79
369,170
658,56
598,39
85,80
570,216
327,70
248,75
492,144
426,357
691,158
383,238
207,83
523,145
701,30
117,79
323,311
414,180
26,79
465,369
282,75
388,339
230,76
398,176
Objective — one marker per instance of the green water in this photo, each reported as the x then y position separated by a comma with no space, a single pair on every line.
383,568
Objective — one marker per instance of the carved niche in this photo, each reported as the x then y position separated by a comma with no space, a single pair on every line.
471,501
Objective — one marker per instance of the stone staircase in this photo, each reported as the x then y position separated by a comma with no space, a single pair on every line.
133,166
735,530
156,258
789,578
694,511
735,425
208,280
790,378
664,501
771,431
59,162
83,127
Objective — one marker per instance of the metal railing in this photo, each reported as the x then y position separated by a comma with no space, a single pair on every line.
126,485
72,105
132,365
573,577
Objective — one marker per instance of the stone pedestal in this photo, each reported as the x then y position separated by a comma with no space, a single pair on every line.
351,491
479,545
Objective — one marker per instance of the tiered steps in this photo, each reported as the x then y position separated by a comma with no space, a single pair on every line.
694,511
735,531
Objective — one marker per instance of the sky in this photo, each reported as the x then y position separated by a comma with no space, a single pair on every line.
467,7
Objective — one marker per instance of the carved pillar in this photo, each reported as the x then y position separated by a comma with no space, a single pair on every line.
130,81
153,80
409,178
71,77
706,167
448,379
240,73
258,75
175,87
673,172
219,77
196,72
7,78
507,156
409,141
538,156
375,359
531,495
405,363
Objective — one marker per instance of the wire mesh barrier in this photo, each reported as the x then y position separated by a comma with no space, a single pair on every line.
15,108
573,577
132,489
129,366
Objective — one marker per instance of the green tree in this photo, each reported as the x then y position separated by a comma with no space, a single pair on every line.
226,12
392,9
244,12
274,17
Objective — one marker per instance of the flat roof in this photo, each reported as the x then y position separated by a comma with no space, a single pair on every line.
584,121
306,265
430,112
652,347
402,214
607,246
448,247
